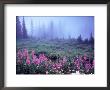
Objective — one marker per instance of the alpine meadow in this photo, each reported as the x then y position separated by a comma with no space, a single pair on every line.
55,45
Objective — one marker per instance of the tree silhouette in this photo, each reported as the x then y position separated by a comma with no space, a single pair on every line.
51,30
24,30
19,34
86,41
91,40
79,39
31,28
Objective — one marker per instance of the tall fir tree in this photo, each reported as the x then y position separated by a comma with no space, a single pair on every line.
25,36
51,30
79,39
19,33
86,41
91,40
31,28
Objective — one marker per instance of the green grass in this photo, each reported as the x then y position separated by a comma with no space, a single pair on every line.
56,47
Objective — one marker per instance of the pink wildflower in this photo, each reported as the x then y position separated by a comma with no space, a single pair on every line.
47,72
87,66
25,53
19,55
34,58
58,65
33,53
85,57
28,60
42,57
93,63
37,61
92,66
77,63
54,67
19,61
64,60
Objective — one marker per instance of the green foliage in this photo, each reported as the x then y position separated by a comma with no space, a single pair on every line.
53,49
62,48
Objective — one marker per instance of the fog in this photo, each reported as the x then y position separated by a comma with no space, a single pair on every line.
59,26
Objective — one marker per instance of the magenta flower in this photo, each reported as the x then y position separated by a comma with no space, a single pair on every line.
93,63
92,66
37,61
58,65
19,55
33,53
85,57
28,60
54,66
19,61
64,60
47,72
42,57
34,58
25,53
87,66
77,63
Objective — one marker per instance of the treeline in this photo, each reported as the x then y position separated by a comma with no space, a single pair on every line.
21,32
78,40
86,40
50,34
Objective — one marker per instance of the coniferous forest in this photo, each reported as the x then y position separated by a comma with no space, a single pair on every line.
55,45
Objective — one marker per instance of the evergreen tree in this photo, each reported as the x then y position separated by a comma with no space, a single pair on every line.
91,40
79,39
31,28
24,30
18,29
86,41
52,30
69,37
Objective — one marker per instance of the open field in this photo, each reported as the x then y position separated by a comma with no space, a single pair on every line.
54,51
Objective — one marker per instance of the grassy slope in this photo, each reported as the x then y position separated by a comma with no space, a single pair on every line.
57,47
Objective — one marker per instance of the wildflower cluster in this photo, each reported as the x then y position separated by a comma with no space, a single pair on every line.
30,63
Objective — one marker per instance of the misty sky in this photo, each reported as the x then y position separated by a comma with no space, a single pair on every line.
64,26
